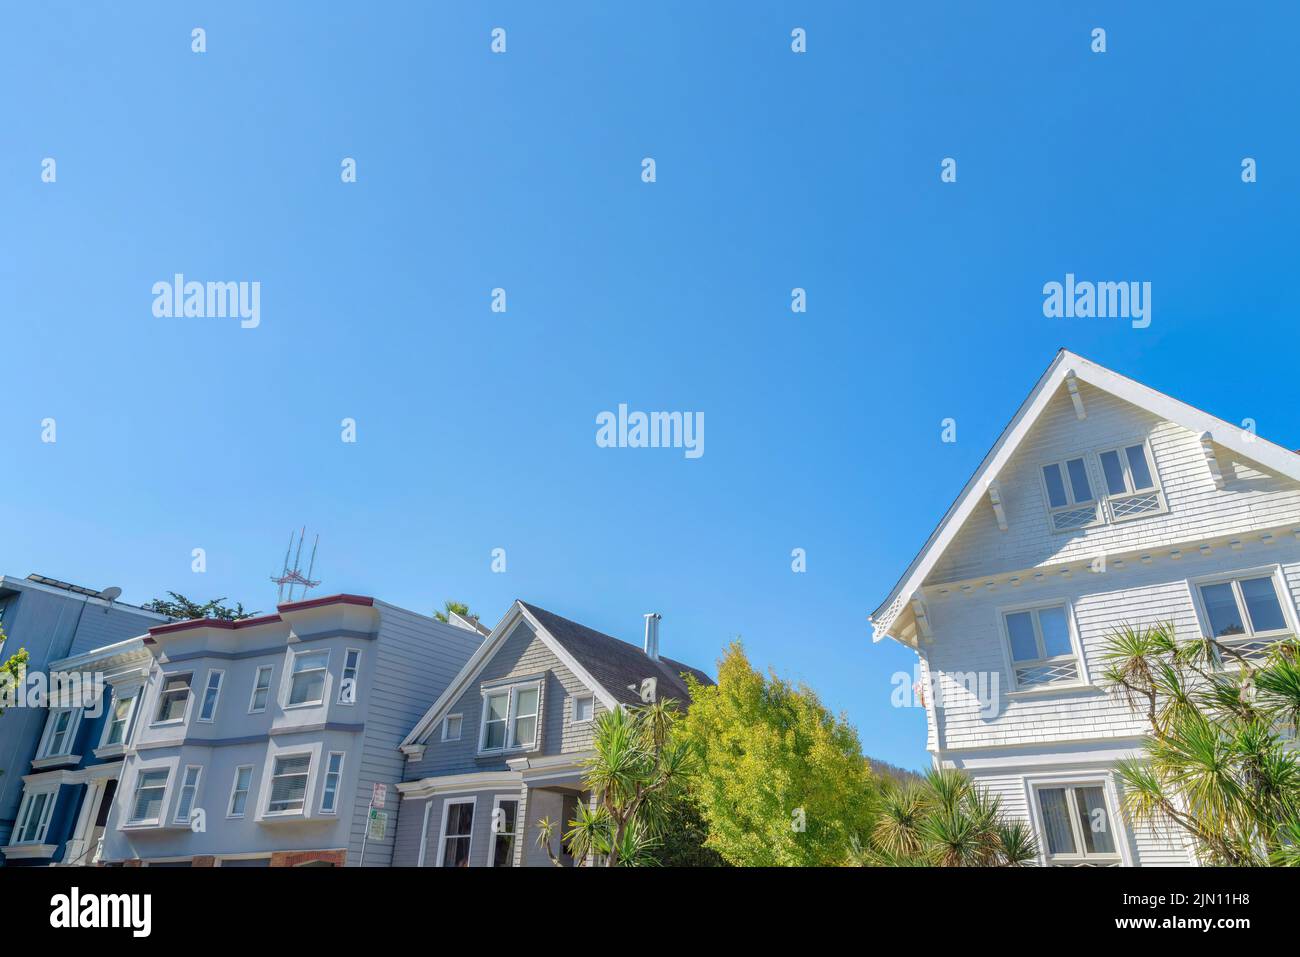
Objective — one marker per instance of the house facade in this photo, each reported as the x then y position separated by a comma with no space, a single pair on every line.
261,742
504,745
52,620
1104,503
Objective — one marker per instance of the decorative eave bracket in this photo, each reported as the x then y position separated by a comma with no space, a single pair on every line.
1212,460
1072,384
922,622
995,499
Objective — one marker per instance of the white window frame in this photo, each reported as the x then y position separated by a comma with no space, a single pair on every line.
1285,601
356,676
512,690
446,727
1157,489
1119,837
306,790
270,684
162,692
495,834
583,697
180,793
133,695
338,782
1071,505
442,831
47,739
135,797
289,673
216,700
234,790
47,810
1082,679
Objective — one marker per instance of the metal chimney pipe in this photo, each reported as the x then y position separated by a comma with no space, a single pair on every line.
652,634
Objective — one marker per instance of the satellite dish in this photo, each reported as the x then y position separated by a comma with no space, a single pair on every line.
112,593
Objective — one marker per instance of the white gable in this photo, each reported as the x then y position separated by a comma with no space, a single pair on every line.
1245,482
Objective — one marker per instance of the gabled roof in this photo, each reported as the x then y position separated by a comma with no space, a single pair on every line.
607,666
1066,365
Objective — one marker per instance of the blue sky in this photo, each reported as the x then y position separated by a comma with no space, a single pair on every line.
476,430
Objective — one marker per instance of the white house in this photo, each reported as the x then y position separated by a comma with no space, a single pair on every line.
1103,502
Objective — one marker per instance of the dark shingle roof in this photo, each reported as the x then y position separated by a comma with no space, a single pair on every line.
615,664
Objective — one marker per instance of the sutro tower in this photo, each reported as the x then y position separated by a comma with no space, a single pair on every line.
294,576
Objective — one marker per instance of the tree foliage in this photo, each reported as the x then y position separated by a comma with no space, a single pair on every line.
449,606
184,609
1220,761
780,780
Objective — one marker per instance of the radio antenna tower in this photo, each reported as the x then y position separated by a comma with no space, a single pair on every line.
294,576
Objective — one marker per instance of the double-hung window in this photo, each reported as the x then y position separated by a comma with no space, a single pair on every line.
1042,652
307,678
457,830
189,794
59,733
510,717
289,784
1070,499
261,689
351,670
147,803
584,708
1244,614
1130,477
173,699
34,817
505,821
329,800
239,790
211,694
119,721
1077,826
451,726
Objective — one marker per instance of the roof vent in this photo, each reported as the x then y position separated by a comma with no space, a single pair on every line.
652,620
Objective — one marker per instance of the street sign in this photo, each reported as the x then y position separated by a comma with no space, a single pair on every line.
377,794
378,825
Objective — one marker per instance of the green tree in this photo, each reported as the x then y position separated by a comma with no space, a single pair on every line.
943,820
637,773
11,673
449,606
1219,759
184,609
781,781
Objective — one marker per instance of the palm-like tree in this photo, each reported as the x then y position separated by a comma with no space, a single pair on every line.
944,820
1220,760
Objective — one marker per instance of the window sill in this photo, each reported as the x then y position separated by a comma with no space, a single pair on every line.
1048,690
54,761
304,704
110,751
16,852
140,826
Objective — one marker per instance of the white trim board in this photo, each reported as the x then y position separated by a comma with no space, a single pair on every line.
1065,366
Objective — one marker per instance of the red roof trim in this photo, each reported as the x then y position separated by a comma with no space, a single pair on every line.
225,625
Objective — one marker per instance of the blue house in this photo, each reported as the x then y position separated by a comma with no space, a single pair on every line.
52,620
68,791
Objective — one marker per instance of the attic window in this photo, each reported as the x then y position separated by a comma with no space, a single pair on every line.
1131,485
1070,499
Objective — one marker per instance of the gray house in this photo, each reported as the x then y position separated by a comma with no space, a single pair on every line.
504,745
261,742
52,620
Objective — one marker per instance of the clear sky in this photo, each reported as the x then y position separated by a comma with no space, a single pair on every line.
522,171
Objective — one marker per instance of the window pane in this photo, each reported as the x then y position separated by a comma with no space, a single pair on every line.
117,728
1020,627
1262,605
460,819
496,735
1113,472
1079,480
1137,465
525,729
526,701
1056,821
289,784
503,854
583,708
1094,822
1056,633
1221,607
1055,486
496,706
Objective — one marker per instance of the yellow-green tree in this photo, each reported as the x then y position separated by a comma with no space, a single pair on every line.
780,780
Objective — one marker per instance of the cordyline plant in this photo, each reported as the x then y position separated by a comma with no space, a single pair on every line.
1220,760
636,772
944,820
